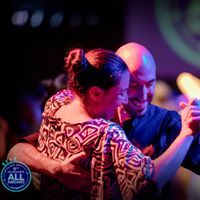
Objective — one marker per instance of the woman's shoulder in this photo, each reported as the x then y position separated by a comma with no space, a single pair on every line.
114,128
60,98
111,124
104,124
62,95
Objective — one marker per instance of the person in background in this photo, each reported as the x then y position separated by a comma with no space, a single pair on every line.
162,162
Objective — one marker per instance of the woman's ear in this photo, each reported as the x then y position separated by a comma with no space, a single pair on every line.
96,93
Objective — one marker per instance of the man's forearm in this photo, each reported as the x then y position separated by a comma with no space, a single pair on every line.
29,155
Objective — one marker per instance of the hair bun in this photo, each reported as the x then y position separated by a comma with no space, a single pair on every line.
76,61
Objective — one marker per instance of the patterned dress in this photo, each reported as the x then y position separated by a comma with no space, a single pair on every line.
118,169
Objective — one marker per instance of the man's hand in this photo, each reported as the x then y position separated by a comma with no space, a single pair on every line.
71,174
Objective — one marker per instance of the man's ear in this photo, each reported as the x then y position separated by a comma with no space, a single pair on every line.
96,93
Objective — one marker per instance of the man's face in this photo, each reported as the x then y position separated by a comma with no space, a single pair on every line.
142,70
141,88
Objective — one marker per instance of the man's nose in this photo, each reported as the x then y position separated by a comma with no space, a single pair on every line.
142,93
125,98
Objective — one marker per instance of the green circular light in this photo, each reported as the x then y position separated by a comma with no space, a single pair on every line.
166,20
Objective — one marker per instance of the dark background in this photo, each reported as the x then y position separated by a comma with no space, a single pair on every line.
31,54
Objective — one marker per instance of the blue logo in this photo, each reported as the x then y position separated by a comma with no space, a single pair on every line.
15,176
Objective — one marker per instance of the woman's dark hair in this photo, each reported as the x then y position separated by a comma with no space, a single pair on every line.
98,67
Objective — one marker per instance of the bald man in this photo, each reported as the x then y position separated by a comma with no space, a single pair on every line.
150,128
143,77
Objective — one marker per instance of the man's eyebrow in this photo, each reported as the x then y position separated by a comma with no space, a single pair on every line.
152,80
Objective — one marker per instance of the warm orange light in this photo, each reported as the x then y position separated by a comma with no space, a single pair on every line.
189,85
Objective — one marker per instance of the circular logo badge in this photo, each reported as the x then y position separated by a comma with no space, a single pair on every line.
15,176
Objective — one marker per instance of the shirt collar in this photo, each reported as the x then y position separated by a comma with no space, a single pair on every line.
122,115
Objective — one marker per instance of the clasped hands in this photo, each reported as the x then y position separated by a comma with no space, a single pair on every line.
190,116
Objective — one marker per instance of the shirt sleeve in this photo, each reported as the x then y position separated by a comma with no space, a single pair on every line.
169,130
192,159
133,169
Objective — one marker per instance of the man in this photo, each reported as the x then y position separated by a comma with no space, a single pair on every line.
148,127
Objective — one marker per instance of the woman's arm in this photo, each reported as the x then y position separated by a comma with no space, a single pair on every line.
168,163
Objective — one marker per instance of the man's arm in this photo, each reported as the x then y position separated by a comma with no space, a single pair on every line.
192,159
67,171
29,155
171,127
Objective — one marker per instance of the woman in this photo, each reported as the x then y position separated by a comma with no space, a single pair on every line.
77,120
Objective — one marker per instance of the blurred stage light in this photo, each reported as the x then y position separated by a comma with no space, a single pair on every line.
56,19
19,18
37,18
189,85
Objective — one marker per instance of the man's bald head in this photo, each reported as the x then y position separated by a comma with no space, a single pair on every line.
136,56
143,76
